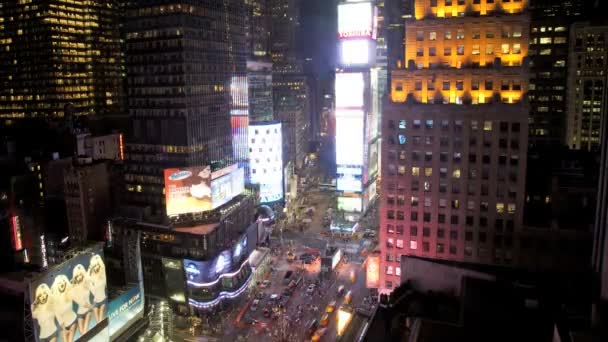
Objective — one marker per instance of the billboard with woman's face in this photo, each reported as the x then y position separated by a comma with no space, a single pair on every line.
188,190
70,299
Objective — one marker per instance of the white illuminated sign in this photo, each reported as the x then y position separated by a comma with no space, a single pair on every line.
349,140
355,20
349,90
355,51
350,203
45,262
266,160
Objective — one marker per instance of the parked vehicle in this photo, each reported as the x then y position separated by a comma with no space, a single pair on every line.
324,320
312,327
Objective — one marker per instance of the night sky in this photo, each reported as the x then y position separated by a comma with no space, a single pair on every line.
317,36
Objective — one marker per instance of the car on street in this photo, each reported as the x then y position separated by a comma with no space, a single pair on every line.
312,327
324,320
331,307
349,297
340,290
254,305
287,277
311,289
260,295
265,284
318,334
274,298
290,256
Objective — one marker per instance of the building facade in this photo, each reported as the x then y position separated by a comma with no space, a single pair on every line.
549,42
455,137
181,63
587,79
60,59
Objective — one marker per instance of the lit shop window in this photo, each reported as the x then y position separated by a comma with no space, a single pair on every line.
389,270
397,271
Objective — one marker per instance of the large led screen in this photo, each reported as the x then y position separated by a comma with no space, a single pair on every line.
188,190
125,309
228,186
355,51
239,126
350,203
349,90
372,273
70,299
266,160
208,271
355,20
349,140
349,183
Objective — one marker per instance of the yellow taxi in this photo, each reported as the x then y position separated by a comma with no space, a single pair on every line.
324,320
348,299
318,334
331,307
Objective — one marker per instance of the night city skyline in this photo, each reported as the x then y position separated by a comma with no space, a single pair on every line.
304,170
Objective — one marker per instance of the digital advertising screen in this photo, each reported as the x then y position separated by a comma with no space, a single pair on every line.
349,183
201,272
350,87
70,299
349,140
350,203
372,273
266,160
228,186
239,126
188,190
239,251
355,20
239,93
356,51
125,309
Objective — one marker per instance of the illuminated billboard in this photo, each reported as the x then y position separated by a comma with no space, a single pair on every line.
355,20
70,299
239,126
349,90
266,160
349,140
239,94
349,183
125,309
16,233
355,51
228,186
350,203
188,190
372,273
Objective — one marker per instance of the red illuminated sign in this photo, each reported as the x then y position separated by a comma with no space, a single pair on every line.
16,227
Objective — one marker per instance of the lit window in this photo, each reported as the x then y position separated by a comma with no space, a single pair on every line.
511,208
427,201
460,50
545,52
389,270
397,271
415,171
402,124
402,139
399,243
433,35
487,125
413,244
559,40
517,48
460,34
489,49
545,40
505,49
414,201
456,173
516,32
447,35
428,171
500,208
475,50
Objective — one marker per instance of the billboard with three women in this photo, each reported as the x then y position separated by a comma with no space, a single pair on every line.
70,299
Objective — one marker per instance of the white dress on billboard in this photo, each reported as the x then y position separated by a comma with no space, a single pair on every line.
44,314
62,302
98,279
81,291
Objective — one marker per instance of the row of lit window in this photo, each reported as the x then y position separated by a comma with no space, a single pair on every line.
468,236
455,204
458,124
460,34
505,84
505,49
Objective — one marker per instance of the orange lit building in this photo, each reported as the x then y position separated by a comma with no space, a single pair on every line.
455,136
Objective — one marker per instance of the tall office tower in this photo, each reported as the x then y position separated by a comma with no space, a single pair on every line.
455,137
587,77
285,17
181,63
258,28
259,81
357,89
600,234
289,84
60,58
549,35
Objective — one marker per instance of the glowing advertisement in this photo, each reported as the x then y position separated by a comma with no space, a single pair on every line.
349,203
239,96
70,299
188,190
349,183
125,309
355,20
349,140
239,126
16,233
372,272
355,51
349,89
228,186
266,160
335,259
202,272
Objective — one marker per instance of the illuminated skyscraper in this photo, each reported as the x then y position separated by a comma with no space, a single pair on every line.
183,60
455,137
60,56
